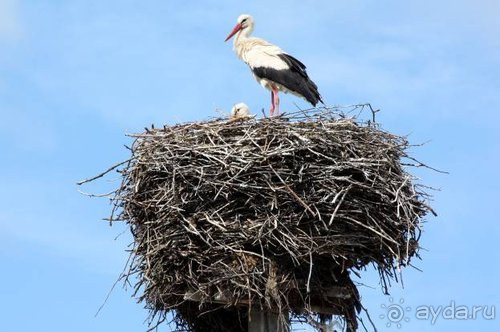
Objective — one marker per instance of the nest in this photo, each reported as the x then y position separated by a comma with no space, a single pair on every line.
266,214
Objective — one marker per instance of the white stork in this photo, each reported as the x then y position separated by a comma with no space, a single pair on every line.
274,69
239,111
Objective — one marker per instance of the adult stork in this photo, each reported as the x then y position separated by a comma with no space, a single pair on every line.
274,69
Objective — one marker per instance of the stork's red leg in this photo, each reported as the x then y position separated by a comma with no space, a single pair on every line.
271,111
276,101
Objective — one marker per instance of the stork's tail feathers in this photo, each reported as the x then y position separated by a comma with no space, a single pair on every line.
312,94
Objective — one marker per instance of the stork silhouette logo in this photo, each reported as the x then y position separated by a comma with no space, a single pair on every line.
395,313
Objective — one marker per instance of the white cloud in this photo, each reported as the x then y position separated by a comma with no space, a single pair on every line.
10,28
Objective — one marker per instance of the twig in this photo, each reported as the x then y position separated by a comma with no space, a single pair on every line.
103,173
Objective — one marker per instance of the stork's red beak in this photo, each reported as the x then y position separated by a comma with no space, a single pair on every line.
235,30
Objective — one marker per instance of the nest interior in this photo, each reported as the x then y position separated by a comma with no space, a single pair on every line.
269,214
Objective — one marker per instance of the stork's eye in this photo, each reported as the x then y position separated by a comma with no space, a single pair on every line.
243,20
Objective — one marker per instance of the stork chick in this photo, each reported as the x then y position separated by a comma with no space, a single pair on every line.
239,111
274,69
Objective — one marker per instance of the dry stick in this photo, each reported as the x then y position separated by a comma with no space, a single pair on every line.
310,272
113,287
369,318
346,190
293,193
104,173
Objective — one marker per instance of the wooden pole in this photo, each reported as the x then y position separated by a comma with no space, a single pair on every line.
266,321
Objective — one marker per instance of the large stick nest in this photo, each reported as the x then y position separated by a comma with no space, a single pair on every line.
266,213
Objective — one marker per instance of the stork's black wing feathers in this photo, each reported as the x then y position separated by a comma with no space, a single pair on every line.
293,63
297,66
294,78
295,81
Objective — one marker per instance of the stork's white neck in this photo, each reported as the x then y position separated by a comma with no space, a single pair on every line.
241,39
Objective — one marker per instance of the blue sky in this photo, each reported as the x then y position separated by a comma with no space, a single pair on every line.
75,76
